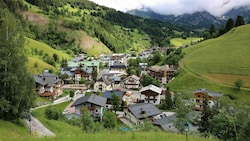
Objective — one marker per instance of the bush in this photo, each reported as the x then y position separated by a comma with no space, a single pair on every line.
51,114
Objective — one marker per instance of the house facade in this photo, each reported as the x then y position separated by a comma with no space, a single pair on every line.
103,83
118,68
48,84
201,95
94,103
152,94
132,82
157,72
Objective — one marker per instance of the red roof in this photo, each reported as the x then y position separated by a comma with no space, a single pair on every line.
47,94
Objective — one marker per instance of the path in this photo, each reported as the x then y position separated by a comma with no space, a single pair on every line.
37,128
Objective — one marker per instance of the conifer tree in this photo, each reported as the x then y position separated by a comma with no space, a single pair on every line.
239,21
16,85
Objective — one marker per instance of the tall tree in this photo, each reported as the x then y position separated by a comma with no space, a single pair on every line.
239,21
212,29
206,115
229,25
16,93
116,102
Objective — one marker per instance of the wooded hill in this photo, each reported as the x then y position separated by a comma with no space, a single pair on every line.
80,25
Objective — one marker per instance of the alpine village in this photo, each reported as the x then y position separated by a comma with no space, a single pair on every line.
73,70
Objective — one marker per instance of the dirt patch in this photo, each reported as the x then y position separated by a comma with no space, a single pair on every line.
35,18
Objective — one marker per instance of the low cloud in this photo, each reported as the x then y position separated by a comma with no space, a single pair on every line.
176,7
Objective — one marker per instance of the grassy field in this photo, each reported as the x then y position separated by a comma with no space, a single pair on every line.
66,132
224,59
36,66
177,42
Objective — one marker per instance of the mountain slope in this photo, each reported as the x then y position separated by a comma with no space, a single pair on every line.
223,59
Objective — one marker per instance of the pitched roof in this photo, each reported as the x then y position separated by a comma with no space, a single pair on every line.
94,99
212,94
47,78
108,94
143,110
132,76
165,120
105,79
152,88
118,65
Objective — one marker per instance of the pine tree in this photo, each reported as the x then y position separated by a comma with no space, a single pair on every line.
212,29
229,25
239,21
16,92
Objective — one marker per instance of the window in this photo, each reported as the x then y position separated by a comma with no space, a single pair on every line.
96,110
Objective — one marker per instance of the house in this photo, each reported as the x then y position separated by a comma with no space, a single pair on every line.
201,94
76,74
157,72
48,84
83,73
136,113
118,68
103,83
132,82
109,93
94,64
94,103
117,57
143,66
152,94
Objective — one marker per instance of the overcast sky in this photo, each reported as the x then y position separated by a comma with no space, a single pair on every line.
215,7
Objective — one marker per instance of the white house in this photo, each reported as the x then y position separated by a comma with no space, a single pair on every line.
152,94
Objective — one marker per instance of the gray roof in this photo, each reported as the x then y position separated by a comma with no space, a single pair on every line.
108,94
105,79
94,99
47,78
212,94
67,71
165,120
143,110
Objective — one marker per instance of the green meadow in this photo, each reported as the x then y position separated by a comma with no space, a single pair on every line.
177,42
223,59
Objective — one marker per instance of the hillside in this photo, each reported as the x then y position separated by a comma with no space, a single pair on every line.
41,56
81,25
223,59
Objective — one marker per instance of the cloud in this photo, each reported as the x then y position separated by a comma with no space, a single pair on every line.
176,7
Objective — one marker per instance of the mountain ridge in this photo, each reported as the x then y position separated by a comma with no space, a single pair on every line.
201,19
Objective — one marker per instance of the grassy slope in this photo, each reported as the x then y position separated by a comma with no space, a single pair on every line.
177,42
66,132
191,78
30,45
222,59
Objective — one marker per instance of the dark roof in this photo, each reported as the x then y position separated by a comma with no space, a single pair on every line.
94,99
108,94
165,120
118,65
105,79
47,78
47,94
143,110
